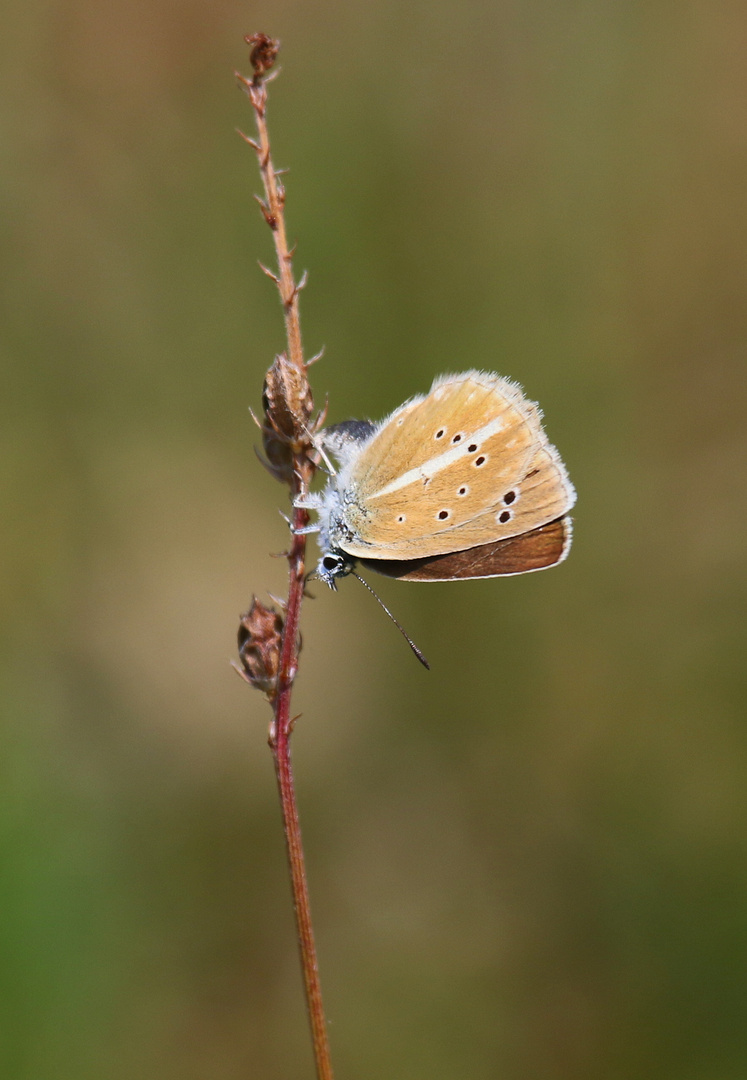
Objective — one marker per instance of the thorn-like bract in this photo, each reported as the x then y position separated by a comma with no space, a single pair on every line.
269,273
248,139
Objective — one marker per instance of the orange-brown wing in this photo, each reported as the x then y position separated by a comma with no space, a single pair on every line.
466,465
536,550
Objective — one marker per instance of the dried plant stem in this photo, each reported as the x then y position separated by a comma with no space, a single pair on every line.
289,392
280,743
272,210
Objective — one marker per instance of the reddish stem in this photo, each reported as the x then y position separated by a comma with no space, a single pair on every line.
280,744
292,382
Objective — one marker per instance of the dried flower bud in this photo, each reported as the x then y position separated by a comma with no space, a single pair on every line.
288,405
264,53
260,636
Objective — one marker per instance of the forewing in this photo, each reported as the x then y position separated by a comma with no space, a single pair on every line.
466,465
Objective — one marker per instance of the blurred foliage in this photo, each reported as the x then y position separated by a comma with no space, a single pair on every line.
531,862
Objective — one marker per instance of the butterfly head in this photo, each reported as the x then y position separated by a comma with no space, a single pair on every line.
333,565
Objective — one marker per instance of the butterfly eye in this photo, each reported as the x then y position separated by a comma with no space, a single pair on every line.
331,562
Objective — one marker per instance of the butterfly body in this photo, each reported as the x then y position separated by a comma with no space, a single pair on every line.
461,482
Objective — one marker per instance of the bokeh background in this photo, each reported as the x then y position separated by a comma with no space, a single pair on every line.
530,862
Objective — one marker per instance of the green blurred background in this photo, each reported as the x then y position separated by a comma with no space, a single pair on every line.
529,863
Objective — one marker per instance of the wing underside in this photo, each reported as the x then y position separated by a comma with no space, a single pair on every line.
467,465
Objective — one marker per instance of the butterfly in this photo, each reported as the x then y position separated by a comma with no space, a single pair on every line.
458,483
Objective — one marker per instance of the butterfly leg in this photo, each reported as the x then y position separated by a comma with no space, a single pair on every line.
312,500
318,442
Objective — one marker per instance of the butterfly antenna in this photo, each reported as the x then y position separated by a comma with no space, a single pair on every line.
401,629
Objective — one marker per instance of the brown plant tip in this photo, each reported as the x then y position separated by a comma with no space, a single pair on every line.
264,53
287,429
260,640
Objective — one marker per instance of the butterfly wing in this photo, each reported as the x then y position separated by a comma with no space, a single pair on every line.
467,465
536,550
